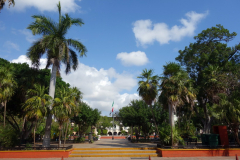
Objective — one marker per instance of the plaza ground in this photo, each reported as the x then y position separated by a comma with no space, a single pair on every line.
121,143
127,158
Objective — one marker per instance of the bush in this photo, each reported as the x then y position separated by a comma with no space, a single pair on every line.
124,132
79,140
104,132
99,131
176,137
8,137
165,133
28,146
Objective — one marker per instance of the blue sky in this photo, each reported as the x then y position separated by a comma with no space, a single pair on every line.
122,37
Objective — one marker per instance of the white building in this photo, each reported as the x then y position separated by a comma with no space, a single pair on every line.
116,130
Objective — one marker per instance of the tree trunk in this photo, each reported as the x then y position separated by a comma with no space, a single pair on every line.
235,128
65,135
80,134
207,121
171,120
131,132
34,134
46,140
154,120
5,110
136,134
21,133
59,140
27,131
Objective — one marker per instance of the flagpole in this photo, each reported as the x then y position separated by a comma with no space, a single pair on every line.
113,121
113,127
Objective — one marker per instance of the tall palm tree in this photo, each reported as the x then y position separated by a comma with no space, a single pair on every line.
7,86
148,89
36,106
10,2
57,49
176,90
63,108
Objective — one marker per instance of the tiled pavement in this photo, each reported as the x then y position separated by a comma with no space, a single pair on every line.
117,143
126,158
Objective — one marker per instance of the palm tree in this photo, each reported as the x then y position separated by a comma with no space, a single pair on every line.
7,86
10,2
148,89
56,47
77,96
176,90
228,110
63,108
36,106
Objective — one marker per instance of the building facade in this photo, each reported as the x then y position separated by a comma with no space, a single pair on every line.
116,130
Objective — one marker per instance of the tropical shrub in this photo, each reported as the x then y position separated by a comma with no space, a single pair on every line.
104,132
8,137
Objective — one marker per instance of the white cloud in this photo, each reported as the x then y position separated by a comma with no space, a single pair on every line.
134,58
24,59
146,32
29,36
47,5
100,87
10,45
2,26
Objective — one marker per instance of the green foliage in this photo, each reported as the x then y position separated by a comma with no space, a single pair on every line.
213,67
91,141
54,130
138,114
28,146
86,117
104,121
147,86
36,106
8,137
124,132
40,129
80,140
99,131
228,110
165,133
104,132
176,136
54,43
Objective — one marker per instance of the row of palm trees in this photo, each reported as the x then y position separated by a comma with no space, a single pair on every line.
64,106
173,89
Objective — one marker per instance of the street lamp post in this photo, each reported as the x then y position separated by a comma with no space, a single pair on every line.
121,129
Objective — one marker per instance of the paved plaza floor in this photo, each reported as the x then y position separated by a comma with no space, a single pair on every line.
118,143
127,158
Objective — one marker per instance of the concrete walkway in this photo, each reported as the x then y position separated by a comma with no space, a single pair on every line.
127,158
116,143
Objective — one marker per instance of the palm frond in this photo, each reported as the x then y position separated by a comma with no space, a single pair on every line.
78,46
